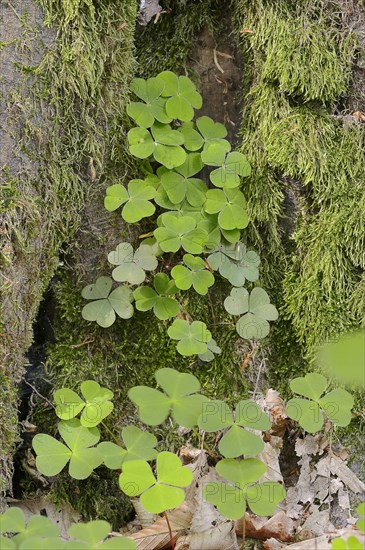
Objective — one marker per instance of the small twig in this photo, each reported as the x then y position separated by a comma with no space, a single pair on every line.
216,61
39,394
87,341
262,364
170,532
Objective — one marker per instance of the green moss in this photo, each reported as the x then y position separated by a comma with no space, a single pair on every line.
68,106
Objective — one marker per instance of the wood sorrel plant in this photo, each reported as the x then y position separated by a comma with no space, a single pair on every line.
198,224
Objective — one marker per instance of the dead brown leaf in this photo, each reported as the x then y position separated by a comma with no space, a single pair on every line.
279,526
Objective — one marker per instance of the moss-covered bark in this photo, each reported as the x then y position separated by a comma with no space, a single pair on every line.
307,192
64,63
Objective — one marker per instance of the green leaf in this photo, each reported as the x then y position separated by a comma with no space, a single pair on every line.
180,399
337,405
234,166
209,129
195,274
68,403
306,412
215,152
213,349
180,232
192,337
161,494
312,385
235,263
92,532
183,96
41,543
7,544
147,90
179,184
138,205
171,471
95,409
141,144
52,455
153,109
161,498
116,195
231,205
237,442
12,521
164,307
132,266
103,309
241,472
264,498
231,500
259,310
193,141
237,302
360,510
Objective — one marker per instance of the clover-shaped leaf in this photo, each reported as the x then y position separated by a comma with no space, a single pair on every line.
139,446
360,510
164,144
336,404
179,184
231,498
212,349
192,337
95,408
195,274
163,493
237,440
132,265
38,527
231,166
235,263
153,109
106,304
213,133
180,399
91,535
257,308
136,200
231,205
52,455
193,141
178,232
159,299
182,96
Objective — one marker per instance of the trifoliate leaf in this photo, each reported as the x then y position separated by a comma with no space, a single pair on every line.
161,494
195,274
178,232
231,205
360,510
153,109
96,407
132,265
182,94
235,263
52,455
228,175
180,399
158,299
192,337
236,441
106,304
336,404
136,200
92,534
164,144
254,324
193,141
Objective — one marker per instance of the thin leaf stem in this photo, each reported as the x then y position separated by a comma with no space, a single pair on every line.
172,543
